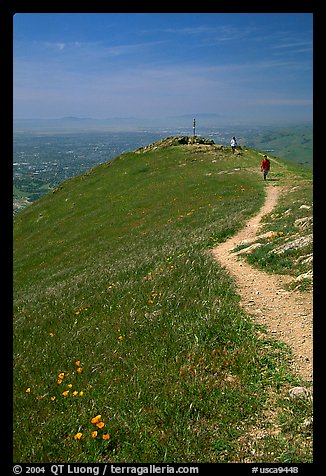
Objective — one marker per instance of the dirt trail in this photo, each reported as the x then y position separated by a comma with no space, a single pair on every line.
287,315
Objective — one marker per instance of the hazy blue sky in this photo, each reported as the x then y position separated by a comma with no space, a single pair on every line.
247,65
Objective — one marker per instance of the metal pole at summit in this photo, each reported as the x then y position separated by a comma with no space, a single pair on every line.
194,127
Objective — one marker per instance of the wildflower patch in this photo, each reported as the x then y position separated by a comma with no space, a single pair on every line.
69,386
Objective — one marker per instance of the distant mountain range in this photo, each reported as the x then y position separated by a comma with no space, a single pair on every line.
203,120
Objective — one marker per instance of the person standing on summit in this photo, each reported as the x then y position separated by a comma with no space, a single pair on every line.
233,144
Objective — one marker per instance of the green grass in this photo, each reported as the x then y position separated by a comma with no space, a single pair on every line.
113,270
291,220
294,143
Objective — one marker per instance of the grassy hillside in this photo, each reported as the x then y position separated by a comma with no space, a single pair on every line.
129,342
293,143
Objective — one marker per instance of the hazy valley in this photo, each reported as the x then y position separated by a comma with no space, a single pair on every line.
45,157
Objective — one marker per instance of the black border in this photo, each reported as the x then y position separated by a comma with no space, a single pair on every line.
7,11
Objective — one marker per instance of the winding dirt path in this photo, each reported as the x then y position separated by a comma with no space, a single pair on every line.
287,315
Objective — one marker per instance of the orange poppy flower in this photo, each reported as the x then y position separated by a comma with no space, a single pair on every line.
96,419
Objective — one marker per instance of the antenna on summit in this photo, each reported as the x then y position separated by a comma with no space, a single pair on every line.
194,127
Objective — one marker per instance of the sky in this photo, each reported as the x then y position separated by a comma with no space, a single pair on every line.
254,67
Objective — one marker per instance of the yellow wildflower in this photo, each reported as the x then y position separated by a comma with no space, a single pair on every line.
81,394
59,381
75,393
106,436
53,398
77,363
78,436
79,370
94,434
120,338
69,385
28,390
100,424
65,393
61,376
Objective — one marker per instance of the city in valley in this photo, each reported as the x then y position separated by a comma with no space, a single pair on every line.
44,158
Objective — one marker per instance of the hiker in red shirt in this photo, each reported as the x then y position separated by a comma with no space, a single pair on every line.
265,166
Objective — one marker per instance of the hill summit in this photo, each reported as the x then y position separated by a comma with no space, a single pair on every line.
130,343
177,140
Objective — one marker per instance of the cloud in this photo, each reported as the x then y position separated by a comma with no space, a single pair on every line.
99,48
204,35
196,30
292,44
58,46
128,49
296,102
